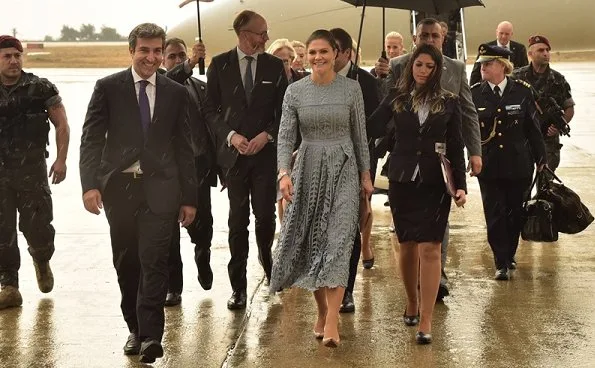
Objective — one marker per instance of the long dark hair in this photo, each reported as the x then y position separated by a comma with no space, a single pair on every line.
431,92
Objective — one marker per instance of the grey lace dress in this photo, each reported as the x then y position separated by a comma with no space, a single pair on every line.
319,226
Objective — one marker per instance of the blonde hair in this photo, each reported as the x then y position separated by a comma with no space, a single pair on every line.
296,43
279,44
508,66
393,34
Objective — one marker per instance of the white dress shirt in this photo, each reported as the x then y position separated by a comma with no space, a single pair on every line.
151,91
502,85
507,46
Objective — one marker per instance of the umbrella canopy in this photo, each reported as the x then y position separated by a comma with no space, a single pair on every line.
427,6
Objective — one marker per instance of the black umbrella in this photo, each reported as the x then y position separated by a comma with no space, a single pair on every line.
427,6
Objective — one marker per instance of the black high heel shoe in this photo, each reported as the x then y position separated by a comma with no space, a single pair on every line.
423,338
368,263
410,320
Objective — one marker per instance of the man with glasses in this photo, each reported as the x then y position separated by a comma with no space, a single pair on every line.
244,93
454,80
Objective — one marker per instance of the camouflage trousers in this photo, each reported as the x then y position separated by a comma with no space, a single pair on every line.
24,189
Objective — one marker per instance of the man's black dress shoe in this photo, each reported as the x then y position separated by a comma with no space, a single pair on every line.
348,306
150,350
410,320
172,299
513,265
423,338
132,346
205,275
237,300
502,274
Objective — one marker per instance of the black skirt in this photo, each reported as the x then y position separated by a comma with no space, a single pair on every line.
420,211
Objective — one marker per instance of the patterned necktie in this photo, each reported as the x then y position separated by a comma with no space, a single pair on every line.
143,106
497,91
248,81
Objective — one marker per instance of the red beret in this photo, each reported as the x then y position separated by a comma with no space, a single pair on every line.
7,41
539,39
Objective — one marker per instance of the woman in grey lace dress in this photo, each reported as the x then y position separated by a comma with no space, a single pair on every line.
330,174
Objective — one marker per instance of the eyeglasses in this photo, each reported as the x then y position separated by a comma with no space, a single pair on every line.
261,34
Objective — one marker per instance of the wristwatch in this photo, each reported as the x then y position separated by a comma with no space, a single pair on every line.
281,175
270,138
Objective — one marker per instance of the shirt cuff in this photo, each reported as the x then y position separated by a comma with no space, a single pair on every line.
229,137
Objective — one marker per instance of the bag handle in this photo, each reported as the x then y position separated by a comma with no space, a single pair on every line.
551,172
528,196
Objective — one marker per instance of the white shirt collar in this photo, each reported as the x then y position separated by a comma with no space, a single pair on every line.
502,85
345,69
242,55
137,77
507,45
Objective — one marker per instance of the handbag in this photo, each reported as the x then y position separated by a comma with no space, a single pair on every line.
570,215
538,218
447,175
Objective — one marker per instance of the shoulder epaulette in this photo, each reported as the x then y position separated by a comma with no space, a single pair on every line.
475,85
520,81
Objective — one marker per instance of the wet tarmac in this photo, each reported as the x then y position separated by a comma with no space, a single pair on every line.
543,317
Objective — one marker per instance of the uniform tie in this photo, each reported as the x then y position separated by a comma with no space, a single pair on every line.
143,106
248,80
497,91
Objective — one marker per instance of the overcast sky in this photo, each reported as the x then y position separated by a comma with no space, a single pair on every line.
34,19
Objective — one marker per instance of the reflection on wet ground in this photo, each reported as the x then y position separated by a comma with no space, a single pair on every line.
543,317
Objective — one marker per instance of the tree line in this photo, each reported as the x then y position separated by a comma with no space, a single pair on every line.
87,32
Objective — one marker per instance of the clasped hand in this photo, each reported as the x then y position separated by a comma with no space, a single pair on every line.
249,147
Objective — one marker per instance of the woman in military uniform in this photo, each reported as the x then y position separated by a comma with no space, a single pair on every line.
512,143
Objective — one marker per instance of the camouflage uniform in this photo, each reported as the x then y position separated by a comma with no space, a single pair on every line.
549,84
24,187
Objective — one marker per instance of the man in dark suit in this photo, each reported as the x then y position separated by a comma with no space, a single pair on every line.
245,92
179,67
136,159
518,58
368,84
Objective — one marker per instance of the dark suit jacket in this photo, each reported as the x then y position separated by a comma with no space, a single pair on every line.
517,142
417,145
203,140
227,108
518,59
454,80
112,141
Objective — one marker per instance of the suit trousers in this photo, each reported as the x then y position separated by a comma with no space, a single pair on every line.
140,246
201,235
251,180
503,210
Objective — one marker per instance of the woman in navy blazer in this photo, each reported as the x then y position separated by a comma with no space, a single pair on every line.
427,123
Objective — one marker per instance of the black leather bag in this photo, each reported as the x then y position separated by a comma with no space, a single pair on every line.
571,216
539,222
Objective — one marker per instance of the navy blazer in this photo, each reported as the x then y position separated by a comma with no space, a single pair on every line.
227,108
113,140
416,145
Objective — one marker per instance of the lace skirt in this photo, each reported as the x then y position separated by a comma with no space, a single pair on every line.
319,226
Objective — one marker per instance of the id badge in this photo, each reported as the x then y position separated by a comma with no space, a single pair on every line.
440,147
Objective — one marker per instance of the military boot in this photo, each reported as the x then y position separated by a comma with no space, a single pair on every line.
10,297
45,278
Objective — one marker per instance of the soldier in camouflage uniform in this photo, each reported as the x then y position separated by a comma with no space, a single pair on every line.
26,104
547,83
